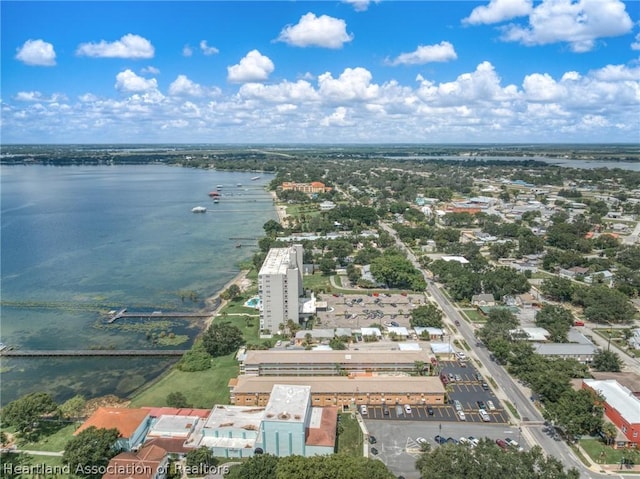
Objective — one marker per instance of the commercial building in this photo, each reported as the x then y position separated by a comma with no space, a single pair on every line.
622,408
309,188
343,391
150,462
583,353
280,286
330,363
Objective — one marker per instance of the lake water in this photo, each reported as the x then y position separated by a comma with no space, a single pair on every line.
79,241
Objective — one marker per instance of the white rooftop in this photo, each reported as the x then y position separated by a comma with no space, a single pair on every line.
432,331
169,425
618,397
441,348
399,330
238,417
370,332
278,261
532,334
288,403
409,347
459,259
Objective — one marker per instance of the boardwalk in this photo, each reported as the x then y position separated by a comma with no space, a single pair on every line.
79,353
122,314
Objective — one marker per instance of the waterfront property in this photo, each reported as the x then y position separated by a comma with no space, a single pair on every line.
330,363
132,424
343,391
150,462
280,287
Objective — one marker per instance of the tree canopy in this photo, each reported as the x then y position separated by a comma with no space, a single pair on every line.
605,360
222,338
488,461
428,316
26,412
555,319
90,451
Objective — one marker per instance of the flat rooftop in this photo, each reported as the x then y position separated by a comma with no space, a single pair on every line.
618,397
237,417
173,425
340,384
277,261
333,357
288,402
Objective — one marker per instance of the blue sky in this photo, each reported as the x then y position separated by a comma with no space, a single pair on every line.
320,72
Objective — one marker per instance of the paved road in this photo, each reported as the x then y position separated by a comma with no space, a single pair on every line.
532,420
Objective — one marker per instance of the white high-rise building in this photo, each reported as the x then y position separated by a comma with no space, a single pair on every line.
280,286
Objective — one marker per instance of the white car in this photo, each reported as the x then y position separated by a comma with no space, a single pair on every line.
457,405
407,409
363,410
421,440
464,440
484,415
462,416
491,406
461,356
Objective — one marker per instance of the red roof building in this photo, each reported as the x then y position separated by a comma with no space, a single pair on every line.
150,462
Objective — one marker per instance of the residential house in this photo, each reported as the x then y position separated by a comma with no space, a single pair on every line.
132,424
429,332
483,299
150,462
601,277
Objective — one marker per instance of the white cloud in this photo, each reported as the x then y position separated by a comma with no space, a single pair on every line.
442,52
254,67
352,84
360,5
128,81
36,96
206,49
129,46
284,92
614,73
542,87
37,53
578,23
150,70
182,86
498,11
187,51
636,44
311,31
337,118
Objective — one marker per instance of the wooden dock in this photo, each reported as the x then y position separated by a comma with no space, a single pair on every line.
70,353
123,314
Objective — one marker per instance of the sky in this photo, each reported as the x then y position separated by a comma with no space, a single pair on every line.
351,71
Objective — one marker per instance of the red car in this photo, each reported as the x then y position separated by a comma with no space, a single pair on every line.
502,444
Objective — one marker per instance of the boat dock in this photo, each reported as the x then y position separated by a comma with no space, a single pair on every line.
69,353
123,314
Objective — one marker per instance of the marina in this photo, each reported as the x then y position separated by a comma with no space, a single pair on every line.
124,314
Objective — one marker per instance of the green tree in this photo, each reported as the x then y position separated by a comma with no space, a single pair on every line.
231,292
258,466
426,316
609,431
26,412
221,339
200,461
327,265
196,359
90,451
272,228
177,399
576,412
555,319
488,461
73,408
558,289
606,360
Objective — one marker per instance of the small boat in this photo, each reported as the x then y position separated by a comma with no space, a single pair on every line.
255,178
219,187
239,185
213,194
216,200
199,209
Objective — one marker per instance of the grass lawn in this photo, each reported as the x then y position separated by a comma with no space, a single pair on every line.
474,316
350,437
595,448
54,437
249,325
317,281
202,389
237,306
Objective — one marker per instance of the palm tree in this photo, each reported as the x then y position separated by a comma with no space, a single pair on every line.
609,431
419,365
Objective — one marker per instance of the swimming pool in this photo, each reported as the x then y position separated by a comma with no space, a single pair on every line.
253,302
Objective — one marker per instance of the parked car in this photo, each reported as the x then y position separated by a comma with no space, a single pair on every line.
452,440
461,356
578,323
458,378
491,406
439,439
452,377
484,415
430,411
363,410
502,444
478,377
399,411
464,440
480,404
485,386
385,410
407,409
513,444
474,441
462,416
421,440
394,324
457,405
374,451
372,440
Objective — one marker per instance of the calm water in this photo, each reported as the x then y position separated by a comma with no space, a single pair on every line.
79,241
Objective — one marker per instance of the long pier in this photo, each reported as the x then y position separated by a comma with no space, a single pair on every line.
70,353
123,313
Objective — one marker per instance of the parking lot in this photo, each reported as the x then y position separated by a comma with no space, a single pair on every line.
468,390
361,310
397,445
